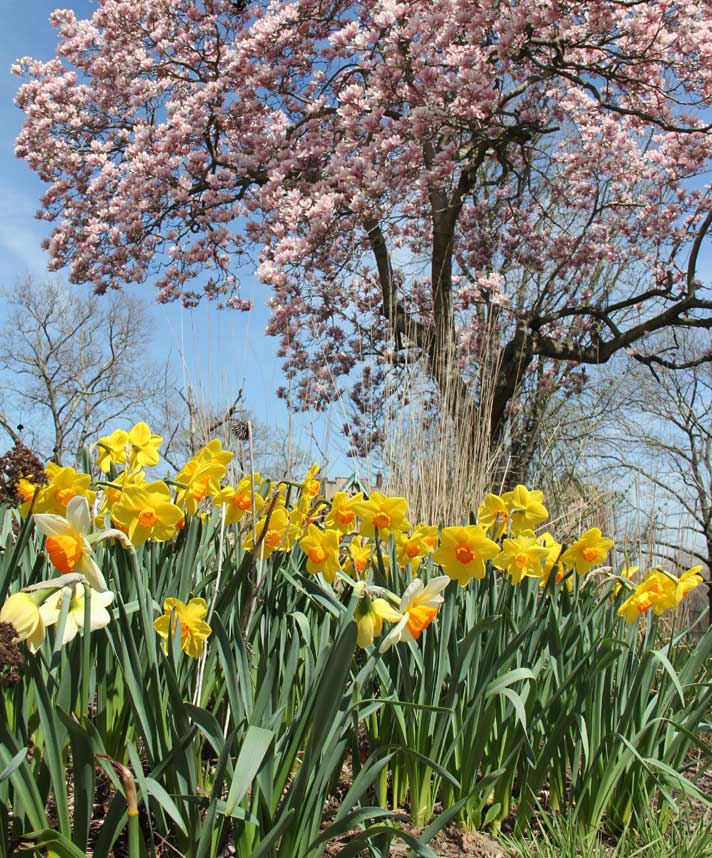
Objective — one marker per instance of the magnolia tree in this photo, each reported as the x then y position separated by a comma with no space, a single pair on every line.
445,183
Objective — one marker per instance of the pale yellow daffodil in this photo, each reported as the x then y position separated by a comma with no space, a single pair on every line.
240,500
412,547
656,592
369,615
493,515
277,534
147,512
359,556
383,514
63,485
342,515
22,612
99,617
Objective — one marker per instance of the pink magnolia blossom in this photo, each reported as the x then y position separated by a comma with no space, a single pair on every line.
409,174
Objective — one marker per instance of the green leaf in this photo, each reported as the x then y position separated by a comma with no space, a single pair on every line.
518,704
670,670
256,744
84,774
113,824
432,764
274,834
362,782
492,814
48,840
352,820
53,749
360,841
156,791
517,675
28,799
443,819
14,764
208,726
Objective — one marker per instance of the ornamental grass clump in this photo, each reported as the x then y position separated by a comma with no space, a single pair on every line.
249,665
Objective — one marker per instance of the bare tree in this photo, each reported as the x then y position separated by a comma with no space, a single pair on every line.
71,366
664,438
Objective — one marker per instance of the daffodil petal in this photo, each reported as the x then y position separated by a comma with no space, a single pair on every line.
52,525
434,587
87,566
410,592
393,636
78,514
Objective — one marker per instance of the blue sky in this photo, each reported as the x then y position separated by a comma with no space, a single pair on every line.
221,350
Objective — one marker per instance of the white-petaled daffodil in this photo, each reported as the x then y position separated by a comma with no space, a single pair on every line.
69,541
99,617
419,606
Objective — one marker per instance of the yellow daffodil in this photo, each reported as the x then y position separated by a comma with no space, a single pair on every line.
26,489
526,509
64,484
412,547
201,476
359,556
383,514
306,511
22,613
522,556
369,615
493,515
588,551
110,493
687,582
311,486
657,591
322,550
553,553
67,542
626,572
464,551
342,515
660,591
99,617
212,453
201,481
280,534
419,606
147,512
143,446
238,500
194,631
111,450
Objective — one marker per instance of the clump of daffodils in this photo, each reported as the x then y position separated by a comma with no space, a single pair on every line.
351,539
410,615
659,591
31,611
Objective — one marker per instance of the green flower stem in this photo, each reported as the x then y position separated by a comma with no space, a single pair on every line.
83,701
